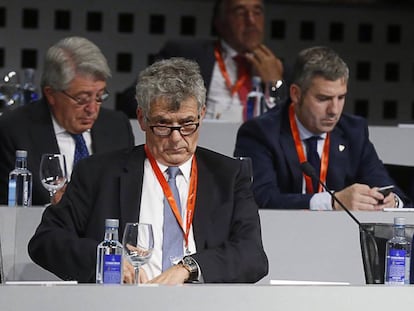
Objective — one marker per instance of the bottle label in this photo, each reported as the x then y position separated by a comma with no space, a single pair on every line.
112,269
12,192
396,265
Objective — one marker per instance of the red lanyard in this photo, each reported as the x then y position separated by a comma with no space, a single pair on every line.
301,153
220,61
170,197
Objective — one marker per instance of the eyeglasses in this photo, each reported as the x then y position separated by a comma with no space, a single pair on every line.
165,131
83,100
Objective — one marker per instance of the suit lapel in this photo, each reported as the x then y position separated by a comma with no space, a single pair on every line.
338,155
131,186
289,150
42,131
202,214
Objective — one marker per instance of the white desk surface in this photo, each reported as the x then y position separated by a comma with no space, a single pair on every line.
206,298
300,245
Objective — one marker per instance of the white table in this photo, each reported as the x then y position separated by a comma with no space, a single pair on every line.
300,245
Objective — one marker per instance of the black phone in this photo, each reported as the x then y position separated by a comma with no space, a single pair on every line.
386,190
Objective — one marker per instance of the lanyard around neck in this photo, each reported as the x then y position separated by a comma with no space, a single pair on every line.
170,197
301,153
233,88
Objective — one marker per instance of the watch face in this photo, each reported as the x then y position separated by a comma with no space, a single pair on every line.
190,262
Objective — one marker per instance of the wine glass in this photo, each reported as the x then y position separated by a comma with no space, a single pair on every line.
138,242
53,172
275,93
10,91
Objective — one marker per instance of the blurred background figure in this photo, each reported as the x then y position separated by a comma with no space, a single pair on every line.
68,119
314,129
229,62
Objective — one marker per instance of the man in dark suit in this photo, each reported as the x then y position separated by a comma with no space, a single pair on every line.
73,86
219,231
240,28
344,158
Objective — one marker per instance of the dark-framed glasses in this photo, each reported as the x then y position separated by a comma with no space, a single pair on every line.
85,99
165,131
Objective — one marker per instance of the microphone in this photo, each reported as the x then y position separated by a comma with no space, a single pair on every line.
309,170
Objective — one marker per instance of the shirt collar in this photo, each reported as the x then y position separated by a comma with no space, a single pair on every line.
304,132
58,128
185,168
227,50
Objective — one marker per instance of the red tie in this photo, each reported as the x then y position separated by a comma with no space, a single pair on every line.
244,75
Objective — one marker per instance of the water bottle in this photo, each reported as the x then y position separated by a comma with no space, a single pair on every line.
109,269
29,88
20,182
255,99
397,255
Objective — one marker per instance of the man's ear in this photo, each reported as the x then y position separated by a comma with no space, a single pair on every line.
48,91
295,93
141,119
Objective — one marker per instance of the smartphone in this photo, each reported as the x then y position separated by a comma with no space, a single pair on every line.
386,190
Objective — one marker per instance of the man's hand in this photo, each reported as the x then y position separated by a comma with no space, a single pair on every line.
359,197
265,64
177,274
58,195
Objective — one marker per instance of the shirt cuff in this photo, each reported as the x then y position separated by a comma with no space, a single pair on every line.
321,201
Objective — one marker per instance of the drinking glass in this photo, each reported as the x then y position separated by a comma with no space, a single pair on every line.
53,172
138,242
275,93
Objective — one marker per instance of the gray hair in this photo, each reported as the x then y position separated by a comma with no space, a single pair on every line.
175,80
318,61
70,57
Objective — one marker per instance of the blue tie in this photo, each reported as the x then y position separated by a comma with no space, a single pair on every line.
81,151
313,158
172,245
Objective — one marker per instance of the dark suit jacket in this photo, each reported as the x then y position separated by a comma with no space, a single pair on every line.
277,181
226,223
30,128
199,50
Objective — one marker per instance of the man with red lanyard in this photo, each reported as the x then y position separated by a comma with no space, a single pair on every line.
239,54
227,64
204,217
312,128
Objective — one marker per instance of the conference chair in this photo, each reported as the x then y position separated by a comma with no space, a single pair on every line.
2,280
373,249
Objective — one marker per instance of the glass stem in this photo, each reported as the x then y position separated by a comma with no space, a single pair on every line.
136,276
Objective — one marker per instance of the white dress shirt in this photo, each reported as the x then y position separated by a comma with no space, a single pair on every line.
221,105
152,207
67,144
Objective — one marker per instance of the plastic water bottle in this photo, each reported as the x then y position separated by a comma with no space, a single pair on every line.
255,99
109,268
29,87
20,182
398,252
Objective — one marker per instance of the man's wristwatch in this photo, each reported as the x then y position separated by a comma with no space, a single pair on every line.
191,266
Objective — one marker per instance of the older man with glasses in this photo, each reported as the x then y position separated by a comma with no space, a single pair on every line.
199,203
68,119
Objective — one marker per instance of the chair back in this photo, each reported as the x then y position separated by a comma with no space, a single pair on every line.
373,246
2,280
